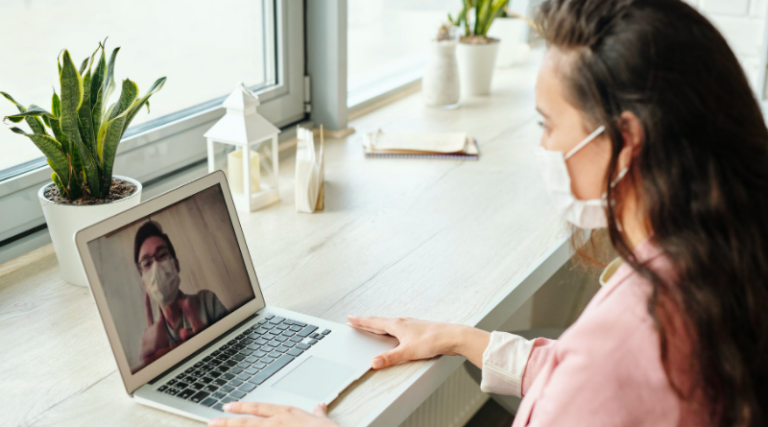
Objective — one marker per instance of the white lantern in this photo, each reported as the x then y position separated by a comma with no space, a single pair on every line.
247,130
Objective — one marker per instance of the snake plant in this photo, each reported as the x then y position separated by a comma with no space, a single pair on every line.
84,135
485,12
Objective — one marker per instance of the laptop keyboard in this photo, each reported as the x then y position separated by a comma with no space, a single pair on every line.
244,363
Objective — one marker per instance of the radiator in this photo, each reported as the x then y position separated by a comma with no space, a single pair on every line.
452,405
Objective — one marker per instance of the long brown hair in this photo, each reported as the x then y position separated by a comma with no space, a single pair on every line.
701,174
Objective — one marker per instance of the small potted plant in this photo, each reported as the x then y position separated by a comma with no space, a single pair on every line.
476,51
79,138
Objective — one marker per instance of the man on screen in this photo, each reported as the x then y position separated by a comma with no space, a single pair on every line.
181,316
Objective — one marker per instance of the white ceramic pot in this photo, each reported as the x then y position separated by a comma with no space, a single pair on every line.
440,85
64,220
513,38
476,64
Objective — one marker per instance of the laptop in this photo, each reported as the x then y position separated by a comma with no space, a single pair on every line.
178,295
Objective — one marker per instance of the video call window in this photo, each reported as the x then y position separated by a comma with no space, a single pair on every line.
168,276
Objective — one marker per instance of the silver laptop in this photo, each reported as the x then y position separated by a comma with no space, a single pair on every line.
183,310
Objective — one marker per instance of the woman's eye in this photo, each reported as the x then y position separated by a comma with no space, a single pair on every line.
543,126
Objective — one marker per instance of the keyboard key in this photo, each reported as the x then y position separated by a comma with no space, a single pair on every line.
302,346
299,324
281,339
247,387
267,359
214,374
315,335
219,395
172,382
295,339
251,359
237,394
295,352
236,370
272,369
162,388
289,343
282,326
227,388
197,386
269,316
276,320
208,402
313,342
206,380
235,383
320,336
199,397
210,388
218,382
259,365
243,377
282,349
172,391
219,407
274,354
186,394
288,334
229,399
326,332
181,385
244,365
260,354
261,341
251,371
307,330
227,376
296,328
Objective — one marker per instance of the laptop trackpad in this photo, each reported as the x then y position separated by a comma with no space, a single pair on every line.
316,379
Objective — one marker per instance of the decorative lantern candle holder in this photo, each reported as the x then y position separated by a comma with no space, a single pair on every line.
243,127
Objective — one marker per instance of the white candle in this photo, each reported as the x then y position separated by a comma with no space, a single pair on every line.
235,171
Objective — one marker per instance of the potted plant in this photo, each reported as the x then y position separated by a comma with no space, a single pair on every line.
80,149
512,30
476,51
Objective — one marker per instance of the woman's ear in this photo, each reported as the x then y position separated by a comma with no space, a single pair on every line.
632,132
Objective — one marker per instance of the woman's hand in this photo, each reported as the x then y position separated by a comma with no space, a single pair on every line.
269,415
420,339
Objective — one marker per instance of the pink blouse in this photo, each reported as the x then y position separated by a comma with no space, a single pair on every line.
605,370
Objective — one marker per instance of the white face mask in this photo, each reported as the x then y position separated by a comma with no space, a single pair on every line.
162,282
581,213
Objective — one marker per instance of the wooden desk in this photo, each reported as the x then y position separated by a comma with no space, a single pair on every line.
464,242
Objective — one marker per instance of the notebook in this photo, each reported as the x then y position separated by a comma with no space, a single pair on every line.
443,145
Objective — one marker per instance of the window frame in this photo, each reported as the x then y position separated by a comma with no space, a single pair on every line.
145,153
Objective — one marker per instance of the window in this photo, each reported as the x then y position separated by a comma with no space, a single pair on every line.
387,42
204,48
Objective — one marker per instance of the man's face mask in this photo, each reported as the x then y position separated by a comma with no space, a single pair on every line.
161,281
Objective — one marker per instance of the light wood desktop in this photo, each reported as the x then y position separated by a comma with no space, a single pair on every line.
465,242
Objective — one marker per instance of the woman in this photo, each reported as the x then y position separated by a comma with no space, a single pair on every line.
646,108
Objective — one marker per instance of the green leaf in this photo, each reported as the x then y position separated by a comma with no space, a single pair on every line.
85,118
71,100
35,123
56,105
51,150
29,116
156,86
128,95
84,65
109,79
496,10
97,83
112,132
33,111
59,184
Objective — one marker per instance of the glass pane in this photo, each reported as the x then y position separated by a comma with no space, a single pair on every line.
203,47
390,37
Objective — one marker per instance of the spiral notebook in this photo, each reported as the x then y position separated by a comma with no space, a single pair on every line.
441,145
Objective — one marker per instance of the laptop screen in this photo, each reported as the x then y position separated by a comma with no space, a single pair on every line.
170,275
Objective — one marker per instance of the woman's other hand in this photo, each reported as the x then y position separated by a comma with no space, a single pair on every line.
269,415
421,339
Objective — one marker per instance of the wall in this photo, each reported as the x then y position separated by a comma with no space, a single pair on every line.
742,23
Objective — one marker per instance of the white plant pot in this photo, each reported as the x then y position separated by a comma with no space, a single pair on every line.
64,220
513,36
440,85
476,64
